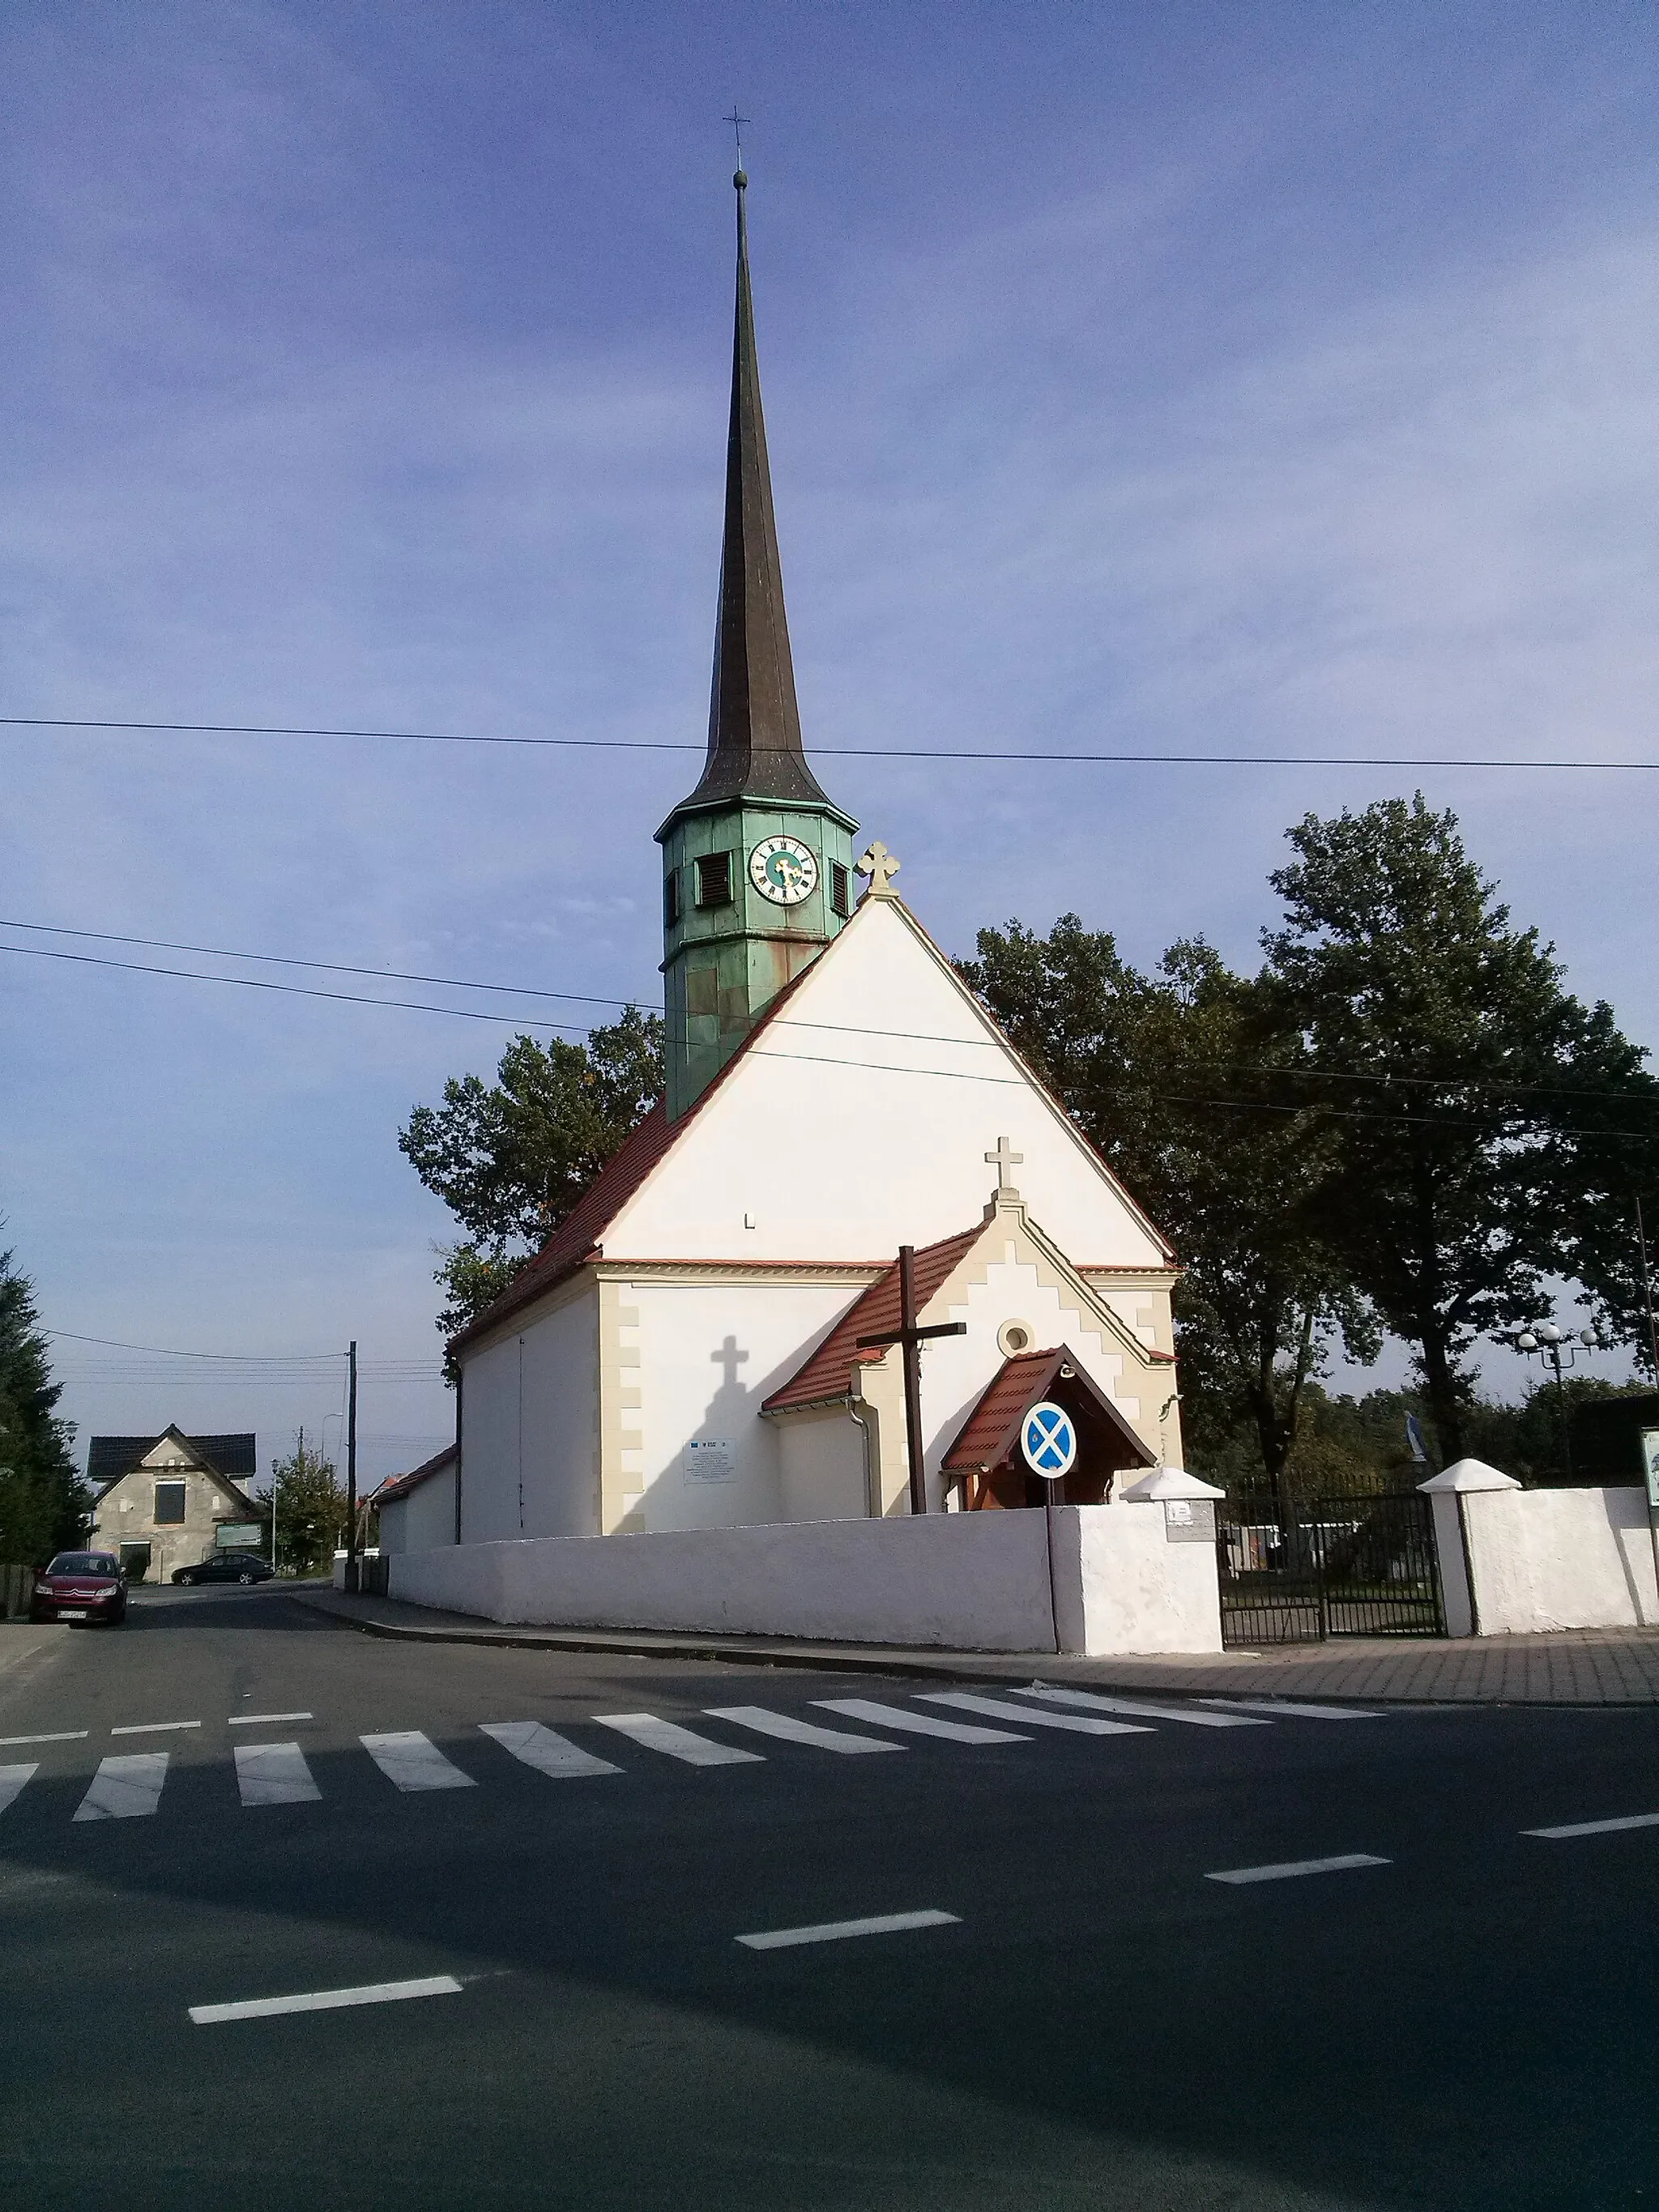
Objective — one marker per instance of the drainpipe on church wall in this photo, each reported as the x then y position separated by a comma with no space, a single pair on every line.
872,1501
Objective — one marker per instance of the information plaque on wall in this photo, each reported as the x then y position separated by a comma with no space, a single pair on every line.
708,1460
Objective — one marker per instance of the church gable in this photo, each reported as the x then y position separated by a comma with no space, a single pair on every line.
859,1115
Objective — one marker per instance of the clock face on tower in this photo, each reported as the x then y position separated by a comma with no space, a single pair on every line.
781,869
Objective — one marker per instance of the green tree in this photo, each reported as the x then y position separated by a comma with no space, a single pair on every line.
43,1504
1476,1097
511,1158
311,1509
1181,1081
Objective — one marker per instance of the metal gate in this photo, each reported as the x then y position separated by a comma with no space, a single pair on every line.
1332,1567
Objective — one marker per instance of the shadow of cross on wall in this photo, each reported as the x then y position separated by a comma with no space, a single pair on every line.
726,1417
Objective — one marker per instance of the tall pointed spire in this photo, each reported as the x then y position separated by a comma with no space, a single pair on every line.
755,748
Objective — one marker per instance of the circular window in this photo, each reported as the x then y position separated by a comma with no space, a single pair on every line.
1013,1338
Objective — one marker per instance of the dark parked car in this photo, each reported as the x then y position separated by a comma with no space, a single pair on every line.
227,1567
80,1586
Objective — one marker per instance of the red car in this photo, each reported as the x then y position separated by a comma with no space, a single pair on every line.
80,1586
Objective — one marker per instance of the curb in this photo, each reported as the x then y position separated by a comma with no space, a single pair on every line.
986,1668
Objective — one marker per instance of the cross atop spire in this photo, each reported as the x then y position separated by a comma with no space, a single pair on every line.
755,748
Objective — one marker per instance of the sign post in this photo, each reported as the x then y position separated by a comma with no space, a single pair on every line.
1048,1444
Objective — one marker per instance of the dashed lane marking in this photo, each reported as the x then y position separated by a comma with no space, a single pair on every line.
835,1931
897,1717
679,1743
62,1735
1095,1702
274,1774
1598,1828
367,1993
265,1720
544,1750
410,1761
125,1789
791,1730
1289,1870
998,1709
12,1779
153,1728
1287,1709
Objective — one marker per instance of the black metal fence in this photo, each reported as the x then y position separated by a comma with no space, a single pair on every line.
1328,1566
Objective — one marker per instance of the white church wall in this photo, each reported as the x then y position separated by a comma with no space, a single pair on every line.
837,1142
709,1352
528,1450
957,1581
821,1467
1544,1560
426,1517
559,1438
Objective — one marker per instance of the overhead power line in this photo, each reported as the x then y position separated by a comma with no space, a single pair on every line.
1390,1078
827,752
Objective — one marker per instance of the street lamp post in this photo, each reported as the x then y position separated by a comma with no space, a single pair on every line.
1546,1339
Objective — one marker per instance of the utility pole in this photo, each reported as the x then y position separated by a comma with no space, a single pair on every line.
911,1337
1647,1294
351,1572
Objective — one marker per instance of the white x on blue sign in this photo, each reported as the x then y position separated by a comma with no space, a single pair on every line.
1048,1441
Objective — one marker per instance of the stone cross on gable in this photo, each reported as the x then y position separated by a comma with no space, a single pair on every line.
1002,1159
881,867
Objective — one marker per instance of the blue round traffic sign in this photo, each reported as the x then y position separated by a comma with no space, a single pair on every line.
1048,1439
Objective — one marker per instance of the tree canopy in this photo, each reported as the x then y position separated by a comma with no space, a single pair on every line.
1403,1120
510,1159
43,1503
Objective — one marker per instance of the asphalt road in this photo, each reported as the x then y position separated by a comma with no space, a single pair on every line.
1473,2023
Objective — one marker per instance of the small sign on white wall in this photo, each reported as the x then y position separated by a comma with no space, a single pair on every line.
708,1460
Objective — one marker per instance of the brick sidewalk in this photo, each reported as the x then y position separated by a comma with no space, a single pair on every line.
1575,1667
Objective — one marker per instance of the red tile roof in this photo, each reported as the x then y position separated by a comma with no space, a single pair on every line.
989,1433
828,1374
399,1486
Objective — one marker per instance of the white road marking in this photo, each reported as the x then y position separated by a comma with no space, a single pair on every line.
125,1788
897,1717
1599,1827
1096,1703
546,1750
998,1709
1291,1867
1293,1710
265,1720
153,1728
274,1774
833,1931
64,1736
764,1721
430,1985
12,1779
679,1743
413,1761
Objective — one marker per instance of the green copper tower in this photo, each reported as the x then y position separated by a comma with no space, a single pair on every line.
757,863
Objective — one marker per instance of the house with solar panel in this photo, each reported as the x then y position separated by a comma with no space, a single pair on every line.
171,1501
709,1337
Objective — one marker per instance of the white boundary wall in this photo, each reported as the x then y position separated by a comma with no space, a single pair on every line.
1545,1559
958,1581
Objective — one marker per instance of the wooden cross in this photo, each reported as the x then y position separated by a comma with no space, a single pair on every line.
911,1338
880,866
1002,1159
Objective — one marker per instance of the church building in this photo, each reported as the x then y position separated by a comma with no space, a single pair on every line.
691,1346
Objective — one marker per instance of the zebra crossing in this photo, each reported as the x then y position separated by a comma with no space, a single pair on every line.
129,1785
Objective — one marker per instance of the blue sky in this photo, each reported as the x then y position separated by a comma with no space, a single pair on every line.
1203,377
